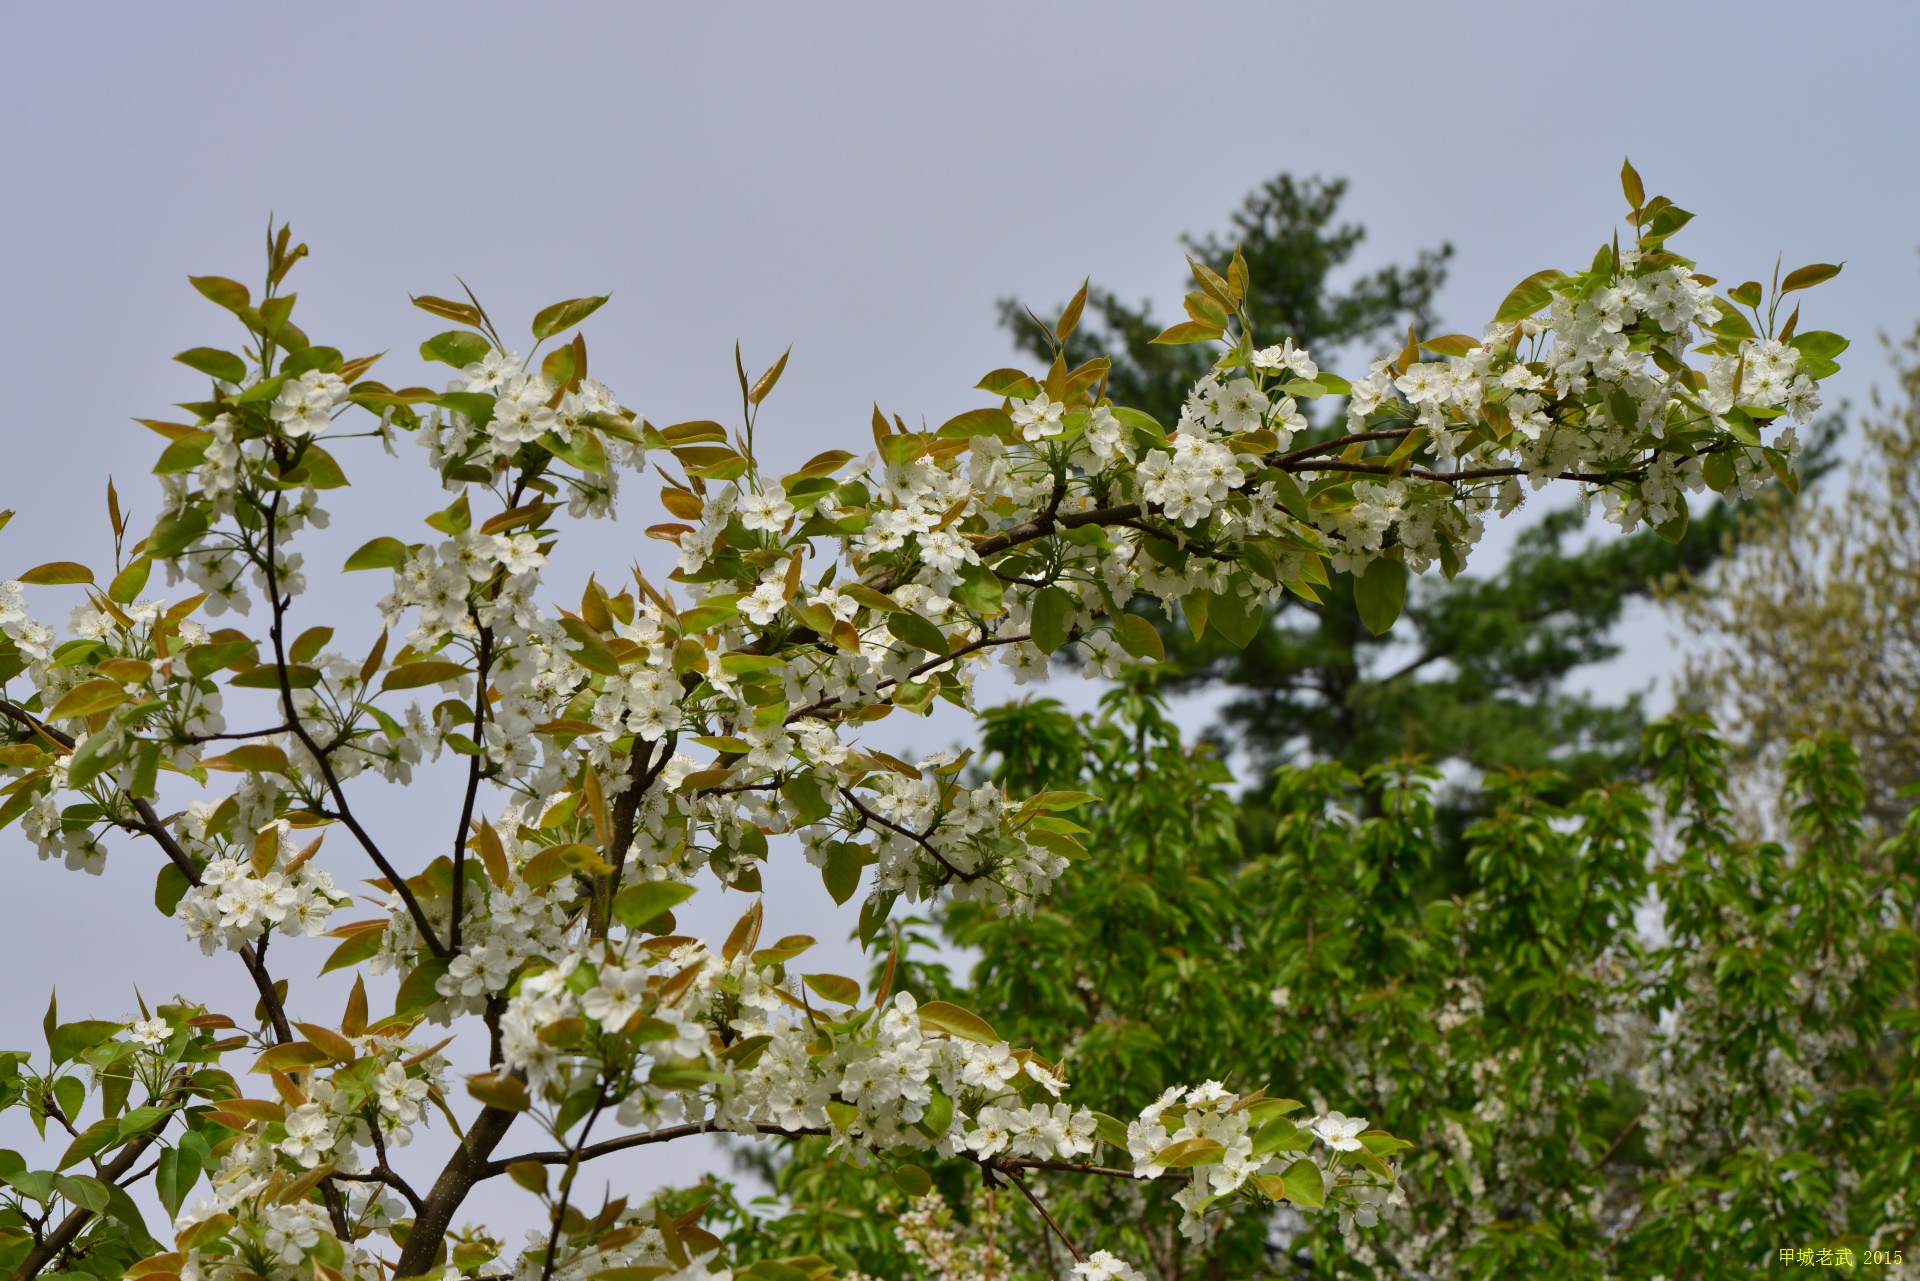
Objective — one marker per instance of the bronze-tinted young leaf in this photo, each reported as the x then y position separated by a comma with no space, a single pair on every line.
834,987
58,573
1449,345
1529,296
1017,383
764,384
956,1022
87,698
1070,317
359,945
564,315
262,758
427,671
270,676
1809,276
507,1093
230,294
291,1057
977,422
446,309
1631,187
1189,331
307,645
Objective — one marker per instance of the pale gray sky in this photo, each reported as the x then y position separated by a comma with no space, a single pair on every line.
859,180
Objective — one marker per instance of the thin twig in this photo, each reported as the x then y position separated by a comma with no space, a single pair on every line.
1066,1240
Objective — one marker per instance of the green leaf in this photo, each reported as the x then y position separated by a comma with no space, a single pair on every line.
639,904
205,660
174,533
1053,613
91,1141
1529,296
381,553
1304,1185
1138,637
169,888
980,590
1279,1135
417,989
1819,344
96,756
841,875
912,1180
1674,529
323,470
808,799
174,1178
67,1040
224,365
455,347
564,315
128,583
267,676
358,947
1190,1152
1236,617
873,915
184,454
1380,593
1056,802
919,632
84,1191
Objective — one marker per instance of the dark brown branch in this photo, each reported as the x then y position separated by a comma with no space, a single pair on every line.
941,660
1027,1192
463,1169
276,631
626,1141
1338,443
911,835
385,1176
462,832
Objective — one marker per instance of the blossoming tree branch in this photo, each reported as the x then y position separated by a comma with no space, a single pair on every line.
616,751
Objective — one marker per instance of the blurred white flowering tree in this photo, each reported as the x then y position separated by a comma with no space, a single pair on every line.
802,606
